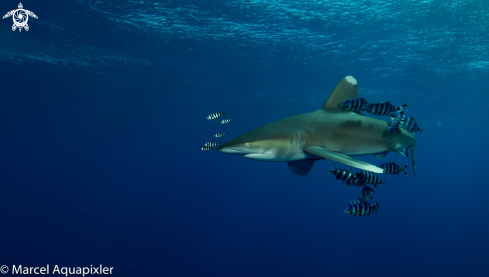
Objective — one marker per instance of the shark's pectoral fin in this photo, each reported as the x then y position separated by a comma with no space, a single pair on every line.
381,155
301,167
342,158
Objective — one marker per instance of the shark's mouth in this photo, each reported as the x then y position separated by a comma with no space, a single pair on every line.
229,150
261,157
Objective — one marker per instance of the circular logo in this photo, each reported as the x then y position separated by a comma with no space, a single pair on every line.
20,17
4,269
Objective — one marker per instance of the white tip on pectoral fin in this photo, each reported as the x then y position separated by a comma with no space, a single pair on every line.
342,158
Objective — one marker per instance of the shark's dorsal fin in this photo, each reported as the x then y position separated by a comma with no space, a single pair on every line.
345,89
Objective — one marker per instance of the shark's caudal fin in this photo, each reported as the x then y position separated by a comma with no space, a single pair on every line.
341,158
345,89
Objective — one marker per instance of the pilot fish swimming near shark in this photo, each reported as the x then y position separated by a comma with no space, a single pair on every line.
332,133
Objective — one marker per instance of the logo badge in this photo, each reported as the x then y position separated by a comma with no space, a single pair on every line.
20,17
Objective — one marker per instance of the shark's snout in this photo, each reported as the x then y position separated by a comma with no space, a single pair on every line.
232,150
224,149
239,148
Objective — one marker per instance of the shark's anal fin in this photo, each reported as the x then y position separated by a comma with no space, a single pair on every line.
342,158
345,89
301,167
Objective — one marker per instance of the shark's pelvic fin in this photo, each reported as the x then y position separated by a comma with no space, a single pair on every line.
345,89
341,158
381,155
301,167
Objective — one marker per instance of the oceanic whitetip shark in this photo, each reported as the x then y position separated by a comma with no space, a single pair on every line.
329,133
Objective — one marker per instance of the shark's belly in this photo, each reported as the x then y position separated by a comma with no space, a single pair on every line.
279,155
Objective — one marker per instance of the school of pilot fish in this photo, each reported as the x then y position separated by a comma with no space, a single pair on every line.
211,144
363,178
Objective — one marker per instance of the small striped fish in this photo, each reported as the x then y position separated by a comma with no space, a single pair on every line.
383,108
218,135
224,121
361,208
215,115
369,178
396,121
209,145
205,148
346,176
354,104
408,123
367,193
393,168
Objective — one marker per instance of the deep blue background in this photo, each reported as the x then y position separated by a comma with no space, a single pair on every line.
103,108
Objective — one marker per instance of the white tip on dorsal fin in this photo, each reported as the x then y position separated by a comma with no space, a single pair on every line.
345,89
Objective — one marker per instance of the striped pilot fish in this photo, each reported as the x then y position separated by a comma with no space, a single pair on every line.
409,124
215,115
354,104
224,121
393,168
346,176
396,121
369,178
367,192
218,135
361,208
383,108
209,145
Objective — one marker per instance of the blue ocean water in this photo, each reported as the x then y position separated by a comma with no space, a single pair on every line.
103,107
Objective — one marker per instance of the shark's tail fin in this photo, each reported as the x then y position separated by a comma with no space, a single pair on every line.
414,159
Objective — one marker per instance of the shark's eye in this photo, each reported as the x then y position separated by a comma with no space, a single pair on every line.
247,144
